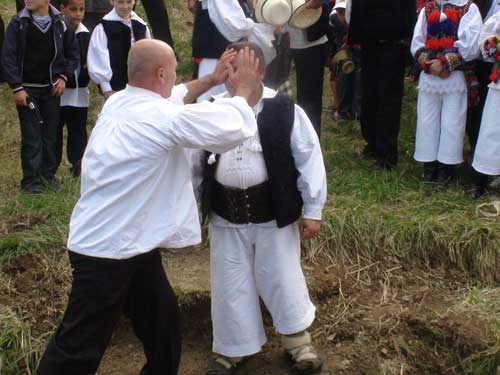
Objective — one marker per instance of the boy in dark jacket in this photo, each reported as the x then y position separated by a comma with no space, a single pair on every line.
39,53
75,100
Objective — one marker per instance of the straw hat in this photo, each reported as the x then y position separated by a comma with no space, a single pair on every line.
340,4
273,12
344,56
303,17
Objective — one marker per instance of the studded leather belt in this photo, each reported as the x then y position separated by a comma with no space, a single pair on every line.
243,206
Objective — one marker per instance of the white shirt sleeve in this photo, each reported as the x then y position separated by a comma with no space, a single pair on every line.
229,19
216,127
98,63
468,34
419,33
490,29
148,32
306,152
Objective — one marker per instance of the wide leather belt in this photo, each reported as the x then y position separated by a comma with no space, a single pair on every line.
243,206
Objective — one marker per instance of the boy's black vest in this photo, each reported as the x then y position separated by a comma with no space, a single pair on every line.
275,124
83,78
119,43
208,42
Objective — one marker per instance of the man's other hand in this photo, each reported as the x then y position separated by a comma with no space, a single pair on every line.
246,77
221,73
309,228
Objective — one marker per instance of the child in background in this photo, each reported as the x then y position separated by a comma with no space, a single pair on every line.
75,100
40,52
446,37
109,45
487,156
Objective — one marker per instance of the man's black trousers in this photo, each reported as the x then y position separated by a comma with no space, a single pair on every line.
310,70
38,140
383,69
102,289
75,119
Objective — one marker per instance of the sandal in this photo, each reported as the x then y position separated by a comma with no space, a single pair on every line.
303,355
222,365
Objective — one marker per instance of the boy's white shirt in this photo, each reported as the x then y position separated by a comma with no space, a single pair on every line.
98,62
78,96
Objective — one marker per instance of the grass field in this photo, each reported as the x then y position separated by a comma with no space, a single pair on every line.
370,213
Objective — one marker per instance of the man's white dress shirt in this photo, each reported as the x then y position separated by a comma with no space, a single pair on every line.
136,189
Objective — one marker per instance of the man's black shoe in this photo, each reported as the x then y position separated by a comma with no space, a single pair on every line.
31,189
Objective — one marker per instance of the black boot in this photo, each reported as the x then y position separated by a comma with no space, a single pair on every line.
445,173
430,171
480,185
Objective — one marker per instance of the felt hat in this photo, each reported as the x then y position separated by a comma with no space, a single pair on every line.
303,17
273,12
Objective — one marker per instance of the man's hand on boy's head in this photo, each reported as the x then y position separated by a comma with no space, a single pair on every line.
309,228
245,76
21,98
221,73
58,87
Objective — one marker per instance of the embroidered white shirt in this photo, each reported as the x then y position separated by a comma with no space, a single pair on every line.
244,166
136,189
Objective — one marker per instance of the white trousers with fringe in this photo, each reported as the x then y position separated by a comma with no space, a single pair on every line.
487,154
441,122
251,261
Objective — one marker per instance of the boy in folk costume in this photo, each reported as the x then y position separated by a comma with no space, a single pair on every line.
445,38
486,158
254,195
75,100
110,43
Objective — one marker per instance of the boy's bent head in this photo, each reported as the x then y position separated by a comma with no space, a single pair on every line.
123,7
38,7
73,10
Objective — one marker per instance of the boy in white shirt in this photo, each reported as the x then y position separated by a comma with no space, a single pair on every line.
75,99
109,45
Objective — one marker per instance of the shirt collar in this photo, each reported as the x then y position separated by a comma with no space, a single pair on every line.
267,93
113,16
134,90
81,29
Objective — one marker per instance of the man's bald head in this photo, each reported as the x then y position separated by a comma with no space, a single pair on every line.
151,65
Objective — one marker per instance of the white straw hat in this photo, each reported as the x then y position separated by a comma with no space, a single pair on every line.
273,12
340,4
303,17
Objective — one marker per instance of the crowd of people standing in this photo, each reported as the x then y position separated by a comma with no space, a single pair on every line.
246,149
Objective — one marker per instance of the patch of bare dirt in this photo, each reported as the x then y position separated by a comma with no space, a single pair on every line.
374,317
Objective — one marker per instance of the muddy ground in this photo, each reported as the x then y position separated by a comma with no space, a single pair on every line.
374,317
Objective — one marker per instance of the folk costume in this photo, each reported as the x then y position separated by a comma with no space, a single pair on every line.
383,29
254,195
479,75
486,157
37,52
108,50
136,197
74,107
448,31
218,23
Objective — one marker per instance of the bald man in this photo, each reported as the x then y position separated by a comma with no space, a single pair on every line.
137,197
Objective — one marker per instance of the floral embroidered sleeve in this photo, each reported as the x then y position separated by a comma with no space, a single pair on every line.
452,61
